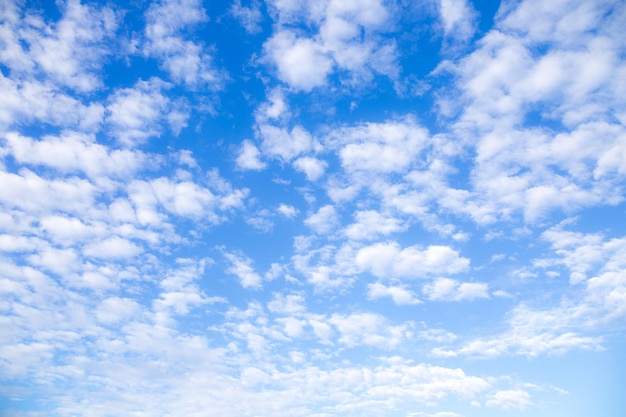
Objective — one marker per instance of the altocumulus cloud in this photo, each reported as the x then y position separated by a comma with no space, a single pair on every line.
312,208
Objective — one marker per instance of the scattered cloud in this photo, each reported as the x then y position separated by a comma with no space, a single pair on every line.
446,289
389,260
309,208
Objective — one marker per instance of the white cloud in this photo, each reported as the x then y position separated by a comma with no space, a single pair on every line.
58,261
249,157
71,50
75,152
289,304
29,100
68,230
187,62
278,142
380,147
135,113
10,243
34,194
570,82
533,332
249,17
287,210
313,168
371,224
101,280
582,253
183,198
345,38
116,309
300,61
510,399
446,289
112,248
324,221
389,260
369,329
458,18
242,268
399,295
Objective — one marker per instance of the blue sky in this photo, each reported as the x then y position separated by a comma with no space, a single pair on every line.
312,208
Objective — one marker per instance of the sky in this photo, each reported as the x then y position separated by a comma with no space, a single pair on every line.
320,208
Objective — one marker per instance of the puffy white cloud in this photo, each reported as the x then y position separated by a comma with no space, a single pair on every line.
379,147
249,157
458,18
59,261
287,210
30,100
446,289
389,260
313,168
370,224
135,113
345,39
516,93
68,51
242,268
324,220
68,230
182,198
286,145
291,304
276,106
112,248
533,332
582,253
399,295
369,329
75,153
187,62
300,62
34,194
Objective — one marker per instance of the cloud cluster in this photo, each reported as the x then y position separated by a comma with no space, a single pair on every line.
347,39
274,226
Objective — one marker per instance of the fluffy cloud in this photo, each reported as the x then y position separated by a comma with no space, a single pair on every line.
286,145
324,221
241,267
106,290
112,248
346,39
249,157
380,148
389,260
370,224
69,51
446,289
567,85
287,210
458,18
300,62
74,152
313,168
187,62
399,295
